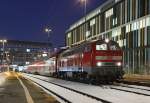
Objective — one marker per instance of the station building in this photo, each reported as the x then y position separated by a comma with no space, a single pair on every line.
125,21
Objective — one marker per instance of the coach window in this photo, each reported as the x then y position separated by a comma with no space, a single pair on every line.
101,47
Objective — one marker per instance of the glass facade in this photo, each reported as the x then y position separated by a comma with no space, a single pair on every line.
126,22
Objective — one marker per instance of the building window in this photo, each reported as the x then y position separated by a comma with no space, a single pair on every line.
148,21
142,23
109,13
114,21
148,7
148,35
128,10
128,28
92,22
141,8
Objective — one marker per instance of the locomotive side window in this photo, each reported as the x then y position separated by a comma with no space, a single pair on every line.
113,47
101,47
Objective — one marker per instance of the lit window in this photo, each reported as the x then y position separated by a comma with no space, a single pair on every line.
116,32
120,42
124,41
142,23
134,26
69,35
92,22
114,21
148,21
101,47
127,28
87,33
109,13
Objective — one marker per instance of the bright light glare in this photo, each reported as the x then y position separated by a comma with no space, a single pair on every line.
107,40
119,63
48,30
99,64
83,1
3,41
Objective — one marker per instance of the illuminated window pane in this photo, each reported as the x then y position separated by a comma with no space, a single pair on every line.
127,28
92,22
148,21
109,13
141,24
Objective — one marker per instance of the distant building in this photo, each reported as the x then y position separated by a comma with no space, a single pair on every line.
23,52
125,21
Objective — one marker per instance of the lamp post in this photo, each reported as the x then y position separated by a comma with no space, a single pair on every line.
48,31
3,47
85,13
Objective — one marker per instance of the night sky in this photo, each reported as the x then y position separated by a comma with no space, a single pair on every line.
26,19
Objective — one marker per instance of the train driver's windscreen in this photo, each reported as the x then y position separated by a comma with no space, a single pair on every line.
101,46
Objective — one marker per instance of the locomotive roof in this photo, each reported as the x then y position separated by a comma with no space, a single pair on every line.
81,46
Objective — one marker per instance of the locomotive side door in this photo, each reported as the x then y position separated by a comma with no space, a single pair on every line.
86,60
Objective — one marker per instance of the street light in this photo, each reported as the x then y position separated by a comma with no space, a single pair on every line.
3,43
48,30
85,12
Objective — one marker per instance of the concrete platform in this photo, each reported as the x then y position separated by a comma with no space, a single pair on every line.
16,89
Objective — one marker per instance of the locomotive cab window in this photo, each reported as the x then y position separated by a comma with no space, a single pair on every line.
101,47
113,47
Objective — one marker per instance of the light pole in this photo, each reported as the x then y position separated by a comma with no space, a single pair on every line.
48,31
3,44
85,13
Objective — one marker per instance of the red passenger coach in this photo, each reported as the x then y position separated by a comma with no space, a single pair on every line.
100,60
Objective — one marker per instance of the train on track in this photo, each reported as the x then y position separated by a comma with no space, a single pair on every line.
99,60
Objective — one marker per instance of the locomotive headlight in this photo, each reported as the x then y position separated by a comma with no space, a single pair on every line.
119,64
99,64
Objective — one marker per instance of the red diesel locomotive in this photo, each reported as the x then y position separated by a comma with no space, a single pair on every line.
96,60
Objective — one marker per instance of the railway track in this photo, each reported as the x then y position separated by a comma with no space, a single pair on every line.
141,90
102,94
87,97
133,86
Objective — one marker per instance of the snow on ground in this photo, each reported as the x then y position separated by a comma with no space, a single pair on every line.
135,86
104,92
69,95
132,89
3,77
